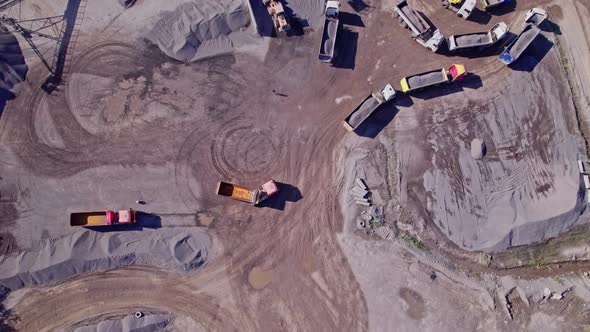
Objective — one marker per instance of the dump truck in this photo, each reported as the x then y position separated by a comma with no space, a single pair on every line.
488,4
462,8
330,30
103,218
519,44
434,77
367,107
424,33
244,194
277,12
478,39
535,16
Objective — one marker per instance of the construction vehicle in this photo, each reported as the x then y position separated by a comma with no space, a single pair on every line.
244,194
277,12
524,39
463,9
330,30
367,107
434,77
103,218
478,39
535,16
487,4
424,33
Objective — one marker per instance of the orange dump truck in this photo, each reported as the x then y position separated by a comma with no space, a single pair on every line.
103,218
247,195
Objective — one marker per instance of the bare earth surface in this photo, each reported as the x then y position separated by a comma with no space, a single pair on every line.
132,122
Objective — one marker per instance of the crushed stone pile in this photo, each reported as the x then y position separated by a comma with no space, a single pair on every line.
154,322
90,251
472,39
13,68
201,28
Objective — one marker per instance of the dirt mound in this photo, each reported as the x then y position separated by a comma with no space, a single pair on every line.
90,251
201,28
154,322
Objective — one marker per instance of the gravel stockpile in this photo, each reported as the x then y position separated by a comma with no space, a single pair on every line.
130,323
90,251
201,28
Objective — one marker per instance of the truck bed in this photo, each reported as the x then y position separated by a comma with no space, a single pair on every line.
98,218
362,112
426,79
523,41
472,39
236,192
414,19
328,39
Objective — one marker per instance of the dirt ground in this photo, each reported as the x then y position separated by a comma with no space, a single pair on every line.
131,124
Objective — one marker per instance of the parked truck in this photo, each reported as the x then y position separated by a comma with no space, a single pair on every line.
488,4
434,77
330,31
463,8
478,39
535,16
244,194
367,107
424,33
103,218
519,44
277,12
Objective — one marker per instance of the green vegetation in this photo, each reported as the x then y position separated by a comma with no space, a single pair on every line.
415,242
536,262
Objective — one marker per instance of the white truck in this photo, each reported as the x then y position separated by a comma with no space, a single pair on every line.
424,33
535,16
463,9
478,39
330,31
367,107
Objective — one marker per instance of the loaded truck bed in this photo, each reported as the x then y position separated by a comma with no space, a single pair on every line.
328,39
478,39
367,107
236,192
472,39
518,45
428,78
413,17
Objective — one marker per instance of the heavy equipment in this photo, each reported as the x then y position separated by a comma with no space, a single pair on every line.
422,31
103,218
330,31
367,107
277,12
433,77
244,194
463,8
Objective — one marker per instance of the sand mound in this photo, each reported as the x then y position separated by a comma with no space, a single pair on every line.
13,68
90,251
130,323
201,28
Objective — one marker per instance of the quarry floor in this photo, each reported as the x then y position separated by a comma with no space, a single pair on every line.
132,124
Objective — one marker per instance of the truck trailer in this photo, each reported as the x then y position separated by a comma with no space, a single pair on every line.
478,39
434,77
244,194
463,9
515,49
103,218
424,33
331,22
367,107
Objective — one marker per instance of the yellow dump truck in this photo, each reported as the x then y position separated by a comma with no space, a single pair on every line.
247,195
103,218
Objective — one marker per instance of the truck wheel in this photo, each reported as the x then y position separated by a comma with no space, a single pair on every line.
460,15
395,14
433,50
405,25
